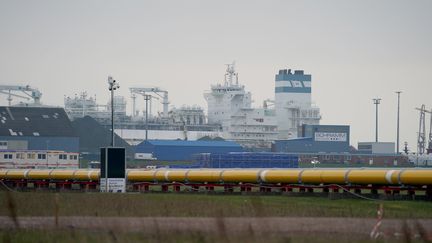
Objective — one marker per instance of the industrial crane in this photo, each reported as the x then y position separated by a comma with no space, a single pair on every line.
144,92
421,139
429,148
421,136
29,93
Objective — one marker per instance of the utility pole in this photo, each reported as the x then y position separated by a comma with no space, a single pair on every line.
113,85
398,112
146,98
376,101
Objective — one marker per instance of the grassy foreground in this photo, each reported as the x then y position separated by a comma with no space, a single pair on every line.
193,205
201,205
74,236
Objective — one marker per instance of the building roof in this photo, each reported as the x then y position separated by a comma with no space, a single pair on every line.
35,122
192,143
93,136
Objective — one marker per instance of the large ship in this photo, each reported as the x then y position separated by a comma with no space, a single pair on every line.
185,123
230,114
230,106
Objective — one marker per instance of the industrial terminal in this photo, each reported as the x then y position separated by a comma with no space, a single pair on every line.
215,121
229,141
288,123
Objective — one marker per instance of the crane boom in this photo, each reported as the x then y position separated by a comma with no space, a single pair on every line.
28,92
158,91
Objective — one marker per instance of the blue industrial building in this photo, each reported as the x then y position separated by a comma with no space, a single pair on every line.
317,139
180,150
247,160
36,128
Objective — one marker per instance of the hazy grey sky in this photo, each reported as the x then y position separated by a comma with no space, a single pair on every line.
355,51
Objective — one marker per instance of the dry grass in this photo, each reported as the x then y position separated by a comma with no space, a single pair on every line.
199,205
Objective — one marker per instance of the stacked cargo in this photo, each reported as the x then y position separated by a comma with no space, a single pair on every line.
246,160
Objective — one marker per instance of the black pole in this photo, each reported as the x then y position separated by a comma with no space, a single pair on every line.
376,124
398,112
376,102
146,117
112,117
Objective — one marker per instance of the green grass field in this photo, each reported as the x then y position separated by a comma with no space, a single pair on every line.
100,205
202,205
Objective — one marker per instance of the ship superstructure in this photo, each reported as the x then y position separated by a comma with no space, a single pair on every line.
230,105
83,105
293,102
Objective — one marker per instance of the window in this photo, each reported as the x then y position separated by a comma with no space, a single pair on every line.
3,143
41,156
62,156
73,157
7,156
31,156
20,155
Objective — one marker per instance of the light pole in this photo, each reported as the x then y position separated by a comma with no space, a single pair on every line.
113,85
146,98
398,111
376,101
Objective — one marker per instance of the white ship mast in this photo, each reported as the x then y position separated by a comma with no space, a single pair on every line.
230,75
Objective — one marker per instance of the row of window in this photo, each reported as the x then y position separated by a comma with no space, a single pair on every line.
248,135
39,156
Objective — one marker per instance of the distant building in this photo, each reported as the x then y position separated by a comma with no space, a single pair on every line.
36,128
180,150
317,139
376,147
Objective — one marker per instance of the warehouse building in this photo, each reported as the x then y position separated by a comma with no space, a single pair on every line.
36,128
317,139
93,136
180,150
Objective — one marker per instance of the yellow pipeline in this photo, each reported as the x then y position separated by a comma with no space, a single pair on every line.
360,176
416,177
249,176
290,176
204,175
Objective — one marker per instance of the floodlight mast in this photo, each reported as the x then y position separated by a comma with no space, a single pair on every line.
113,85
376,101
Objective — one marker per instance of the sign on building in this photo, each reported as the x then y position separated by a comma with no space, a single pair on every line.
331,137
113,170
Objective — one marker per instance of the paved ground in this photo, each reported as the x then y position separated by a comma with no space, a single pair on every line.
360,226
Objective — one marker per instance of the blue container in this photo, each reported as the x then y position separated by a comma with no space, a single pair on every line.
246,160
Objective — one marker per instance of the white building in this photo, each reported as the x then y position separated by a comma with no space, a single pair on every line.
293,102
